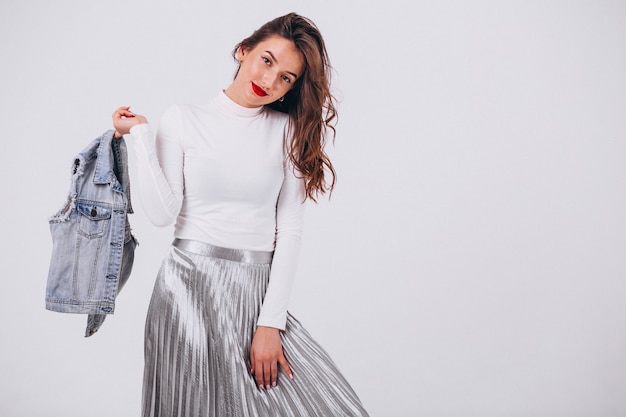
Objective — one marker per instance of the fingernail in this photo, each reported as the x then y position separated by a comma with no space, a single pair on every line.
267,386
290,376
260,386
274,383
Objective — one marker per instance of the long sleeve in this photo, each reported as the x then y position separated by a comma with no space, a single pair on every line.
160,168
220,171
289,219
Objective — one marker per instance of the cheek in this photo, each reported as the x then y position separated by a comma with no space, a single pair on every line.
248,69
283,87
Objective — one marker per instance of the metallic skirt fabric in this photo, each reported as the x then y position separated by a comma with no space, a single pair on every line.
199,328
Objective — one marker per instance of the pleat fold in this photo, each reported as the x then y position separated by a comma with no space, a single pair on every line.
199,328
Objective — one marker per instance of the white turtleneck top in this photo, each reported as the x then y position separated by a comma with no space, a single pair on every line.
221,172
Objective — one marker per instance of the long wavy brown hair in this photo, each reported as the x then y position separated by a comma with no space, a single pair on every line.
309,103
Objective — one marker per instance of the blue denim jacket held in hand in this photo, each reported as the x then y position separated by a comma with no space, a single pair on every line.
92,245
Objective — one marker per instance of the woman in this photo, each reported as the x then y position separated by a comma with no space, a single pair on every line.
234,175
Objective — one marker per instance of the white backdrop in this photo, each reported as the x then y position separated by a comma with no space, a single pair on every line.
472,259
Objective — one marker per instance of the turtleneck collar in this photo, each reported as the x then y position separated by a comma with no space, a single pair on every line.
229,107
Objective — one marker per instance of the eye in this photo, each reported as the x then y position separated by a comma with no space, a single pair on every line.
286,79
266,60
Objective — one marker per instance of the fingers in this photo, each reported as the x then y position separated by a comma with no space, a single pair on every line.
260,369
285,365
266,372
257,368
254,367
123,111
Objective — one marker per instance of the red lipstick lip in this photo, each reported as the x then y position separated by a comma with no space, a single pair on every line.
258,90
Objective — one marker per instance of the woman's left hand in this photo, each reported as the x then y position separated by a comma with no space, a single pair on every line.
266,353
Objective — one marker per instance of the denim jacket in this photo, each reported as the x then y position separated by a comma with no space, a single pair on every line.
92,246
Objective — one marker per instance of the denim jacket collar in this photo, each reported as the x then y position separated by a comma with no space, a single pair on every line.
111,153
104,173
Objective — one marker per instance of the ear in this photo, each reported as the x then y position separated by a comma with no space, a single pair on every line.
242,51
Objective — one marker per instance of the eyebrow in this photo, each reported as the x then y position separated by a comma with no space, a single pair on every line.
275,60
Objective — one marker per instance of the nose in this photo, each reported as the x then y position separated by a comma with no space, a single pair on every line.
268,79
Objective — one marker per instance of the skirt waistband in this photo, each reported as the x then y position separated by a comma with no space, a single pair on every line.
237,255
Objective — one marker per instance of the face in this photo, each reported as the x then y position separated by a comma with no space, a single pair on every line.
266,72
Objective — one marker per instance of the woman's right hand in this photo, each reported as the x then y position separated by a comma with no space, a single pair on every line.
124,119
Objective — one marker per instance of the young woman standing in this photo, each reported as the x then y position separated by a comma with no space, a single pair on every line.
234,175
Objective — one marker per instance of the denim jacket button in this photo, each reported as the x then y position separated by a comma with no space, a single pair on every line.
94,212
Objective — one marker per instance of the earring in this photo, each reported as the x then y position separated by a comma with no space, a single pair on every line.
281,99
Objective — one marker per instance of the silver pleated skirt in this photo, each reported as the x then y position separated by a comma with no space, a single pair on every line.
199,328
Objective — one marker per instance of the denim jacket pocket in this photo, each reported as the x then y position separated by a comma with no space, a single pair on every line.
93,219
